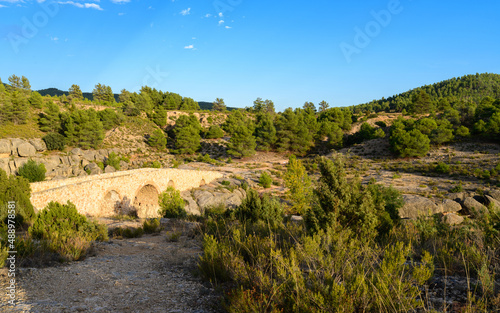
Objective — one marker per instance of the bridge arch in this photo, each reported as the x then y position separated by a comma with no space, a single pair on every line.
146,200
202,182
171,183
110,202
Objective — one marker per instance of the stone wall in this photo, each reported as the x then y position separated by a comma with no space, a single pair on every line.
129,190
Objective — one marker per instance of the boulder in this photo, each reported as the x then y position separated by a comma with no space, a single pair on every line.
5,146
416,206
109,169
4,165
26,150
76,151
89,155
495,194
39,144
84,162
91,166
296,218
15,142
12,167
123,165
191,205
95,171
492,201
457,196
99,158
471,205
20,162
449,206
452,219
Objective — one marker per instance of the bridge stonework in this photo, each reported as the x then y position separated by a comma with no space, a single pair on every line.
113,193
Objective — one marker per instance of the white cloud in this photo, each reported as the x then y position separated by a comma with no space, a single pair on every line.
83,5
120,1
186,11
2,6
208,15
221,22
221,15
54,38
228,27
189,47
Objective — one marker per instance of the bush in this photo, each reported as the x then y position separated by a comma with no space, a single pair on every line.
17,189
157,140
112,160
442,168
151,226
127,232
66,231
265,180
54,141
172,204
256,208
32,171
214,132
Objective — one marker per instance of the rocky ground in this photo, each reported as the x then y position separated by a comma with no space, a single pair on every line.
147,274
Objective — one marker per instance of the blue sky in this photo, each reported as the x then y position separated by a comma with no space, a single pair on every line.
344,52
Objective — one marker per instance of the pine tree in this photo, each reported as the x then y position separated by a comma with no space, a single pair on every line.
219,105
75,92
160,116
242,142
36,100
299,185
158,140
187,134
265,132
19,108
323,106
49,119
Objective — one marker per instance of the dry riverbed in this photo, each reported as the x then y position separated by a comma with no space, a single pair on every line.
147,274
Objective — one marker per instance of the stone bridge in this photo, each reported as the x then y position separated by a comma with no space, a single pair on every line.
118,193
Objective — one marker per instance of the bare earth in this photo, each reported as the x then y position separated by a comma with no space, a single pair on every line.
147,274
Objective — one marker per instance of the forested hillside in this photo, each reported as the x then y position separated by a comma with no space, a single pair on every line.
436,114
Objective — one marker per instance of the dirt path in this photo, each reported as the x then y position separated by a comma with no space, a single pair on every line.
147,274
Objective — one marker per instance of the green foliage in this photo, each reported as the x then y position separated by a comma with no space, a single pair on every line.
127,232
442,168
409,144
187,134
66,232
75,92
367,132
159,116
109,118
15,108
17,189
299,185
219,105
256,208
49,119
242,142
157,140
82,128
32,171
171,204
214,132
151,226
265,132
54,141
112,160
295,131
265,180
103,93
36,100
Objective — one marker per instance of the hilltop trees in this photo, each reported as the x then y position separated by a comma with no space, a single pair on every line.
21,84
242,142
82,128
103,93
75,92
265,132
49,119
219,105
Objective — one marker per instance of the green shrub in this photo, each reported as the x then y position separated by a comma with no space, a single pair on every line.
265,180
172,204
157,140
151,226
32,171
214,132
127,232
381,124
112,160
16,189
457,188
442,168
256,208
54,141
66,232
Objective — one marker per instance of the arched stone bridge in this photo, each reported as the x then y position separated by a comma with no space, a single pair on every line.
118,193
